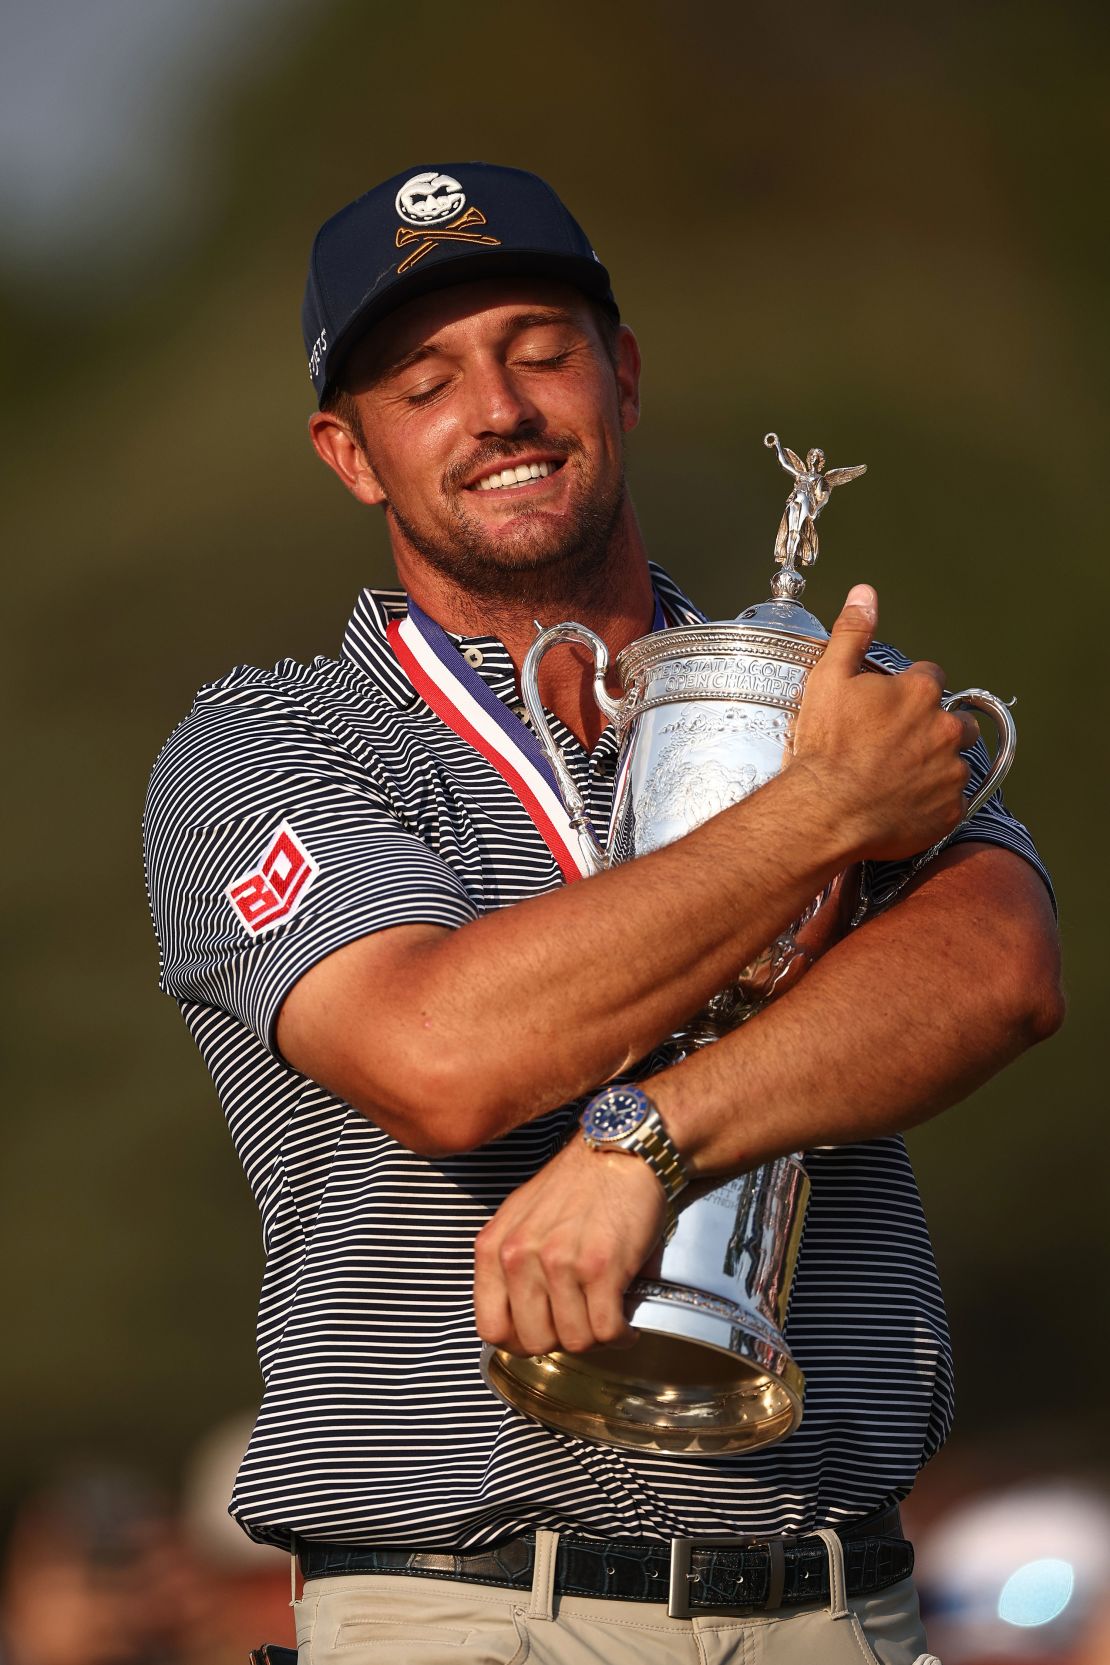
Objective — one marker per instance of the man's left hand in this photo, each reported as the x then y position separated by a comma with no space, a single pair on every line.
552,1266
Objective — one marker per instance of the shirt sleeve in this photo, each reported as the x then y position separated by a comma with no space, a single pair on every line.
267,847
992,823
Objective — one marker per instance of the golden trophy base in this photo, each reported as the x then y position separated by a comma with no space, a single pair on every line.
730,1387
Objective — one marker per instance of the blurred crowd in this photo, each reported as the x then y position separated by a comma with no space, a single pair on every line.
101,1567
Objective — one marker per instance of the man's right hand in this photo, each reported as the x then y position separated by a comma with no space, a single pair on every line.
885,751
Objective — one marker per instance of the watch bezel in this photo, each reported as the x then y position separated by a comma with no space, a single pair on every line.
635,1113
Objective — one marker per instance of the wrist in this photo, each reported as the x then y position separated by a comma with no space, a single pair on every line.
694,1121
822,811
626,1122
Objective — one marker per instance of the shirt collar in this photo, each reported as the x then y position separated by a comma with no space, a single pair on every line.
366,645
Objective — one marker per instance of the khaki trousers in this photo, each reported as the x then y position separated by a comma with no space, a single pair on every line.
382,1619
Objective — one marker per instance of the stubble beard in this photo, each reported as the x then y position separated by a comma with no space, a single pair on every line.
534,567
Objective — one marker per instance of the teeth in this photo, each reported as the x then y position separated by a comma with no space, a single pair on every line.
514,476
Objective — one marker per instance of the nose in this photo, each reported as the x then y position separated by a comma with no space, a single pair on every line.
498,402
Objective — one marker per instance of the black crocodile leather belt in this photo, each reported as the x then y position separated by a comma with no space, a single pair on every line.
689,1574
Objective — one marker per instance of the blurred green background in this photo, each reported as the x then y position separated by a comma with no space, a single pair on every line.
868,227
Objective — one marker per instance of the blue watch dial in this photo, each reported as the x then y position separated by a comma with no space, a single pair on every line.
614,1114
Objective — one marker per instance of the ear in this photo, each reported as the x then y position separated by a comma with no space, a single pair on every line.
336,445
628,378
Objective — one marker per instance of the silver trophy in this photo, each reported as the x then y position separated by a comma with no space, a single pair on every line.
706,715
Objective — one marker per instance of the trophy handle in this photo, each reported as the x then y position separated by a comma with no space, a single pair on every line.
981,700
529,688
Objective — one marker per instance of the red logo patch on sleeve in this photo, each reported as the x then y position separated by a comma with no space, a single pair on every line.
276,888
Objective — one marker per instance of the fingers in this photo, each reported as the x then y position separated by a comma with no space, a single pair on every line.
570,1314
528,1296
607,1316
963,727
534,1322
885,750
491,1295
551,1267
531,1297
852,633
511,1302
926,668
531,1300
969,730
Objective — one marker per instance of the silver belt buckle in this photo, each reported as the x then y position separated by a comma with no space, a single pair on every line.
682,1550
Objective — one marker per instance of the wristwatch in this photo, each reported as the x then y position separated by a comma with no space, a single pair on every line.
625,1119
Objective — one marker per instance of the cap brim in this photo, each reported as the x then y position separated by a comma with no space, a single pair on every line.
590,276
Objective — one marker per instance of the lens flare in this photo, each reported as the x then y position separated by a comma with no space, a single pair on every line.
1036,1593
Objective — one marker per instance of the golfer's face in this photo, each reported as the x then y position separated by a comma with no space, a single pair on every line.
494,418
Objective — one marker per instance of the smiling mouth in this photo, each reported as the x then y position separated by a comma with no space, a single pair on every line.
521,474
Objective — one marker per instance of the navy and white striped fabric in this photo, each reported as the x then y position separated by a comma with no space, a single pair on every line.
375,1425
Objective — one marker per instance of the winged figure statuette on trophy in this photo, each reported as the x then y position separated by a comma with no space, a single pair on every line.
796,539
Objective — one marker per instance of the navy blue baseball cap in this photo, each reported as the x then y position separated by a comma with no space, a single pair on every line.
424,229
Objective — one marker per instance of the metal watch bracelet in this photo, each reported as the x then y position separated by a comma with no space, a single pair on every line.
626,1119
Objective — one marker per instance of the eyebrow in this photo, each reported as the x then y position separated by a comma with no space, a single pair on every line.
533,320
515,325
397,366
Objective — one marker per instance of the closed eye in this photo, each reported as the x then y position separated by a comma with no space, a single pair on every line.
549,361
424,394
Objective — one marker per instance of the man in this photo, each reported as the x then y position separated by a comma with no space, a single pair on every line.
403,1006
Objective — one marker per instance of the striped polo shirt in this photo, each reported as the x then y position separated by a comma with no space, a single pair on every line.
299,808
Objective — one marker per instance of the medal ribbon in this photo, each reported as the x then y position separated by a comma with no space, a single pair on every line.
458,696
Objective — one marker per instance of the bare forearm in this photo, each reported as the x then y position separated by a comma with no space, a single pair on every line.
570,988
899,1021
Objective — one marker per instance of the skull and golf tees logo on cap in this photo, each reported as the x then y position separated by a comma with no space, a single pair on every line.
433,206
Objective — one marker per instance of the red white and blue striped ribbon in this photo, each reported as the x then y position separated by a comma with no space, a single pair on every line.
459,697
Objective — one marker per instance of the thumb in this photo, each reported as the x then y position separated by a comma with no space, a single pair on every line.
853,630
